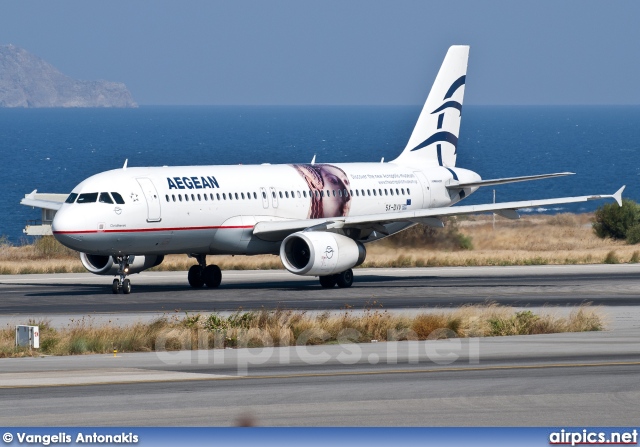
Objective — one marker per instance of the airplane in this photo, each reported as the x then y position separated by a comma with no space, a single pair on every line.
316,216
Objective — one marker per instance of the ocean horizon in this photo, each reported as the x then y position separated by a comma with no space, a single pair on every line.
52,150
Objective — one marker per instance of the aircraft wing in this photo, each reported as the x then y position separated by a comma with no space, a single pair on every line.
277,230
46,201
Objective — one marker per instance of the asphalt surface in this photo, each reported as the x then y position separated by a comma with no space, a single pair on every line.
583,379
549,380
607,285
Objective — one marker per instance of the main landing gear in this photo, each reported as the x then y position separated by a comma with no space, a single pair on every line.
122,283
344,279
202,274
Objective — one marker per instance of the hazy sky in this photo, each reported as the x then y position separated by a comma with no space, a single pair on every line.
337,52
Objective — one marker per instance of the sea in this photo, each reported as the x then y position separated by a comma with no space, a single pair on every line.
52,150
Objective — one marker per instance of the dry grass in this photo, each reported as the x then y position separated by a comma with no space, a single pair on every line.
290,327
532,240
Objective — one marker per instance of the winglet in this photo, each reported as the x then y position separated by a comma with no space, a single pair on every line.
125,164
618,195
32,195
313,160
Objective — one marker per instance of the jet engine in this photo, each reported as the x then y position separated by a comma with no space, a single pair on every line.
320,253
106,265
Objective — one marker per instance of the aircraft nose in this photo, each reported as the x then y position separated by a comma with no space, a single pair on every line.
64,231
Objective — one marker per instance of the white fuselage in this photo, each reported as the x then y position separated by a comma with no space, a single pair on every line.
213,209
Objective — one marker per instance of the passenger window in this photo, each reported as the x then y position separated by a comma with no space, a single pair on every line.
397,191
242,195
280,193
193,197
385,192
408,192
339,193
368,192
286,193
211,195
72,198
224,196
230,196
380,191
167,197
298,194
89,197
264,195
180,197
186,197
236,196
304,194
357,193
334,192
374,192
402,191
118,198
173,196
218,196
204,196
199,198
293,195
346,193
391,191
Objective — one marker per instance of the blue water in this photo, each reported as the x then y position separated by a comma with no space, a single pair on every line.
54,149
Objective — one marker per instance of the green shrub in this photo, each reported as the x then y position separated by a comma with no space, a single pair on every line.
612,258
633,234
615,221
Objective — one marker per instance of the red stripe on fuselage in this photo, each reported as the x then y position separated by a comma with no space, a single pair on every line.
145,230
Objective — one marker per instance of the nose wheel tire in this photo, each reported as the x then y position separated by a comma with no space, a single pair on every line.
345,279
212,276
117,286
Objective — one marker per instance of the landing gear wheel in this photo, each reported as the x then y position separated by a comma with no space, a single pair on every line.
115,286
195,276
345,279
126,287
212,276
328,281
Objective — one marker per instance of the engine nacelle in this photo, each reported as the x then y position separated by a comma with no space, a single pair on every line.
105,265
320,253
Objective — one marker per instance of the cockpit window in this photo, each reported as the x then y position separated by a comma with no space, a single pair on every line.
72,198
118,198
89,197
105,198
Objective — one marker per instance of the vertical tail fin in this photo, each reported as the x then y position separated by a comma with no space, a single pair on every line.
434,140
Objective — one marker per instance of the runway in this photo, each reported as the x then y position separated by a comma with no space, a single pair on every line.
607,285
580,379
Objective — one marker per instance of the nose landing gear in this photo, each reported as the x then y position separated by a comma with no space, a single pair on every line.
203,274
122,283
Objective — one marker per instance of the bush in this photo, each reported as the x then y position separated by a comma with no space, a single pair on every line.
612,258
633,234
615,221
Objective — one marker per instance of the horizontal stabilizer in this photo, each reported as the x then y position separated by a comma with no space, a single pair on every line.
501,181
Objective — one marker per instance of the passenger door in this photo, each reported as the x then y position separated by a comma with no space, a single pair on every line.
153,201
265,198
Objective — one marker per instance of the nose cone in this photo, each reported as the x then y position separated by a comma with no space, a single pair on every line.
65,231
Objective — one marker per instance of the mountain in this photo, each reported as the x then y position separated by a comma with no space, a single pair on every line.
28,81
